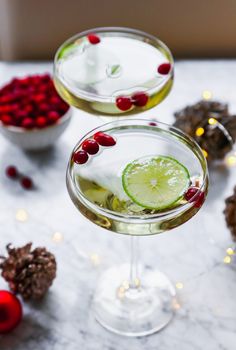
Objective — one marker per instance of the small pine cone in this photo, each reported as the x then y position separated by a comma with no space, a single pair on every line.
214,140
230,213
29,272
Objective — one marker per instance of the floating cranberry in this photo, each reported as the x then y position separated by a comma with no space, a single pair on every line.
93,39
124,103
12,172
80,157
152,123
104,139
164,68
198,199
90,146
26,182
140,99
27,123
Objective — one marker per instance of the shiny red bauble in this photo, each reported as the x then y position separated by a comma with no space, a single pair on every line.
10,311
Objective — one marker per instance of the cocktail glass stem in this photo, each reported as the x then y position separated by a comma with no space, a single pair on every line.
134,281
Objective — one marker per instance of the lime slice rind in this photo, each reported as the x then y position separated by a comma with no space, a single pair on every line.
155,182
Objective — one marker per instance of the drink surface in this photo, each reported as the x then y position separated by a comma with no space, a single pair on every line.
100,181
93,76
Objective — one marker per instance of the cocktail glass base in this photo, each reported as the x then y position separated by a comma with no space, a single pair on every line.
138,309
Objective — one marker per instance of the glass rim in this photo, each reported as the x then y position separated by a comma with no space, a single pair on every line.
148,217
151,39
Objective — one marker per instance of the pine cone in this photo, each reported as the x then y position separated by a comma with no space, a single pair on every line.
213,140
29,272
230,213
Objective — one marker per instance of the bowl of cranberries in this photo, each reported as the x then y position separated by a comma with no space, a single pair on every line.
32,114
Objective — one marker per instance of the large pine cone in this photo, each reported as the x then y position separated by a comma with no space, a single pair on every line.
29,273
230,213
213,140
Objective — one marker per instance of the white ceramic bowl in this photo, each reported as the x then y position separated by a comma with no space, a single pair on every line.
36,139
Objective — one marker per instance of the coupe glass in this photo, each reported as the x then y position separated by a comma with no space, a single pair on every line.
131,299
93,69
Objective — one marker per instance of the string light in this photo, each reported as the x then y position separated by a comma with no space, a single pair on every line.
57,237
231,160
199,131
21,215
125,284
207,95
212,121
137,282
230,251
204,153
121,292
227,259
176,305
179,285
95,259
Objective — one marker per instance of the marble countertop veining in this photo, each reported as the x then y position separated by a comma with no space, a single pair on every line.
192,254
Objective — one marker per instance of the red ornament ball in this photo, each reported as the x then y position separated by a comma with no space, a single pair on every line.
10,311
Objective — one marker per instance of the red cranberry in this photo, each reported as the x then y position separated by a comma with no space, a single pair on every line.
93,39
152,123
90,146
80,157
55,100
6,119
21,115
41,122
25,81
124,103
12,172
39,98
63,107
198,200
53,117
7,98
164,68
26,182
104,139
43,107
140,99
27,123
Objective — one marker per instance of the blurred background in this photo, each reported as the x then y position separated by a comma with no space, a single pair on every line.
34,29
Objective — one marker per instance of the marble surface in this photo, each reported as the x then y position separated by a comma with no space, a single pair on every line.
192,254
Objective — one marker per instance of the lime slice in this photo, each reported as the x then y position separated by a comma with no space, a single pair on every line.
155,182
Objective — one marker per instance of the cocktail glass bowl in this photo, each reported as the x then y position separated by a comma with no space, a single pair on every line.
133,300
121,63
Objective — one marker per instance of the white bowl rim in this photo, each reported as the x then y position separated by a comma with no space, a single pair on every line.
19,129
